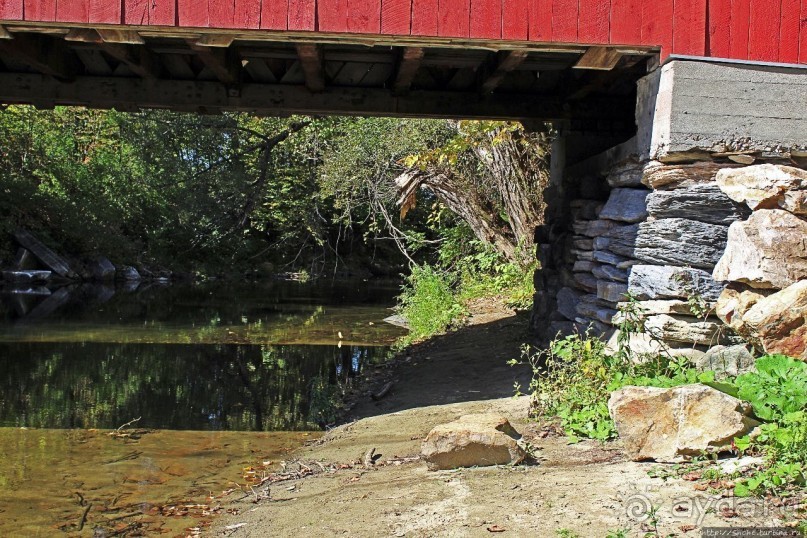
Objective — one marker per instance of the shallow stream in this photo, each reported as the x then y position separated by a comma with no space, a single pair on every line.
218,379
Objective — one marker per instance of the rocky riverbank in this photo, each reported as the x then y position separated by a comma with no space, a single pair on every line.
586,489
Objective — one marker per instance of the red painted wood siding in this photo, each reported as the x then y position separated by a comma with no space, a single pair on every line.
761,30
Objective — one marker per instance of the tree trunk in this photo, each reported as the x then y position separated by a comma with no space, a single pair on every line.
466,203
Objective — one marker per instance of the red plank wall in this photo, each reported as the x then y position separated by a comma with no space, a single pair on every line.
757,30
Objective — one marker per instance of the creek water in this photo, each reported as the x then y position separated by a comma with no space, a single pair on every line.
223,381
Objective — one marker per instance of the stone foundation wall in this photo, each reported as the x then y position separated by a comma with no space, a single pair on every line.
653,218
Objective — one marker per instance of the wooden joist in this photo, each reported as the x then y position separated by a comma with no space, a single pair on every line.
312,62
274,99
600,58
139,60
505,62
224,63
408,66
43,54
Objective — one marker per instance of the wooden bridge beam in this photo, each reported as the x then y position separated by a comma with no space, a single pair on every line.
505,62
408,65
313,63
138,59
223,62
274,99
42,54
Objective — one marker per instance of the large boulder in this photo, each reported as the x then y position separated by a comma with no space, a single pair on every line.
766,251
101,269
779,321
669,425
647,282
766,186
472,441
128,273
726,361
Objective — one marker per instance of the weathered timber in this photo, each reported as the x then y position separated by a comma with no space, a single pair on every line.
600,58
505,62
50,259
273,99
408,66
312,62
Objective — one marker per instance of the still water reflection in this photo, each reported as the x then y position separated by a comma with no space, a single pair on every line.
210,366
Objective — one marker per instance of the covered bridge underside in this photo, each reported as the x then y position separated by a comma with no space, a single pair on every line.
207,72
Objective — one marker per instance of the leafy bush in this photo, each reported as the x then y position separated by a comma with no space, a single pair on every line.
428,303
777,391
573,379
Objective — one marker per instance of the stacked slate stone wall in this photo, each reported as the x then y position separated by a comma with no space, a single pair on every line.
657,235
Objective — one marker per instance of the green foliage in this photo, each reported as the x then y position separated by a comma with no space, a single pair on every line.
777,388
777,391
574,377
428,302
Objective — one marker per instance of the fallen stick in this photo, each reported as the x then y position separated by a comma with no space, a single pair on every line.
83,519
381,393
368,460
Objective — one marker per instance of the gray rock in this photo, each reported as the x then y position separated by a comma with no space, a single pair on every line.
567,302
669,425
596,228
667,282
601,243
704,203
677,328
658,306
609,272
769,250
583,243
603,256
128,273
627,174
583,266
585,209
612,292
626,205
670,242
726,362
585,255
591,309
397,320
101,269
26,277
586,281
472,441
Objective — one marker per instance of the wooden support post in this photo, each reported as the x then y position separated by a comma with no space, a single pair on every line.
600,58
42,54
224,63
138,59
408,66
505,62
313,64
